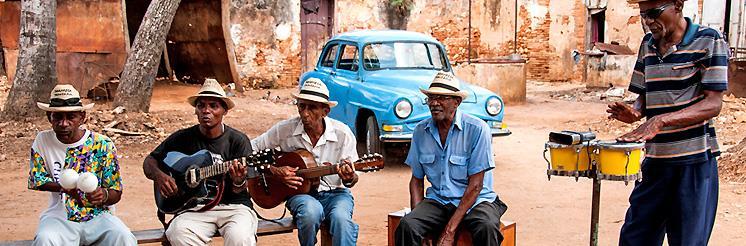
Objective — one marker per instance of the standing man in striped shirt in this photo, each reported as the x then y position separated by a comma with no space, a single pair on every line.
680,75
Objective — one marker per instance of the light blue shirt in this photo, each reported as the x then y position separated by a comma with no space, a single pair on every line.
447,166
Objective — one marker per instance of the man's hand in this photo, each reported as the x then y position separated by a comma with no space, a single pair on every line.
346,172
644,132
237,172
447,238
97,197
623,112
166,185
288,176
73,193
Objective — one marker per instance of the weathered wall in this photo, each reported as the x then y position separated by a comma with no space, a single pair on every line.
91,47
266,36
505,79
608,70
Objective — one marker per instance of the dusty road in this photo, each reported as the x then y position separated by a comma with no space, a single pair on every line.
555,212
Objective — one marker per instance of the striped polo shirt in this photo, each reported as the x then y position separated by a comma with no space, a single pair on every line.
675,80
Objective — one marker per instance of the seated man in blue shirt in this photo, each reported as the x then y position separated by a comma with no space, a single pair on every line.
454,151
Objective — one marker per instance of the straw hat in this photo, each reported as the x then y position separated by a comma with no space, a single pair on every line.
64,98
445,84
211,88
314,90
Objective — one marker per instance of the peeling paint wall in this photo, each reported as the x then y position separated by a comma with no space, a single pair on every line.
267,32
266,36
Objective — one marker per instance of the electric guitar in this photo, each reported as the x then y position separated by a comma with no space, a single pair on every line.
273,192
191,173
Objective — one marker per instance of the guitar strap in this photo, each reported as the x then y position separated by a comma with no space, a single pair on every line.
218,197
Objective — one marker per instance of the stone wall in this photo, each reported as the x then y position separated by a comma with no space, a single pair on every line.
507,79
266,36
267,32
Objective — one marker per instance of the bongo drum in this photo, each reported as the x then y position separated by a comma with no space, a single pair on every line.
618,161
568,160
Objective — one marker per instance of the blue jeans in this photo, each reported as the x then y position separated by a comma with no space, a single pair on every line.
680,201
333,207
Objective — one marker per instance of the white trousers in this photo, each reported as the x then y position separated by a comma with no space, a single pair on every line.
235,222
104,229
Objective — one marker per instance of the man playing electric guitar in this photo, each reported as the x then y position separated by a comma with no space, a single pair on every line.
232,215
329,141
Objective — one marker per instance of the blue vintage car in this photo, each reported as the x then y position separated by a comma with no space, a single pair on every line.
379,96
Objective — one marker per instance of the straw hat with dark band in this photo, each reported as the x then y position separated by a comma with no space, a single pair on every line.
314,90
211,88
64,98
445,84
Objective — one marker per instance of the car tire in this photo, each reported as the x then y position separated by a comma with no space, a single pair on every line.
372,141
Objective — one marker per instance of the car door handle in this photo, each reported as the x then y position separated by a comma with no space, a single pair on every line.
333,73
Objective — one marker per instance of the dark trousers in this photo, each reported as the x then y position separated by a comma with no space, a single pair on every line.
680,201
430,218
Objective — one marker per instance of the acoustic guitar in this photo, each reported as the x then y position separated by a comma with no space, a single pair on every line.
191,173
275,192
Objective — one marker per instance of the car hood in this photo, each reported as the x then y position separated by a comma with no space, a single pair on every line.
407,82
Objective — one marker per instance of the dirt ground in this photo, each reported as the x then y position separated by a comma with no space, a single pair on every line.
555,212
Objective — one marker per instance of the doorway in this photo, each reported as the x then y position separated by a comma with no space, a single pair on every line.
196,46
598,25
317,24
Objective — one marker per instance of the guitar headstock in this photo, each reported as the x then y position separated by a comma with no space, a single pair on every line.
369,163
261,160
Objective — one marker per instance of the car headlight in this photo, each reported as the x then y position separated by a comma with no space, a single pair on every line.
494,106
403,108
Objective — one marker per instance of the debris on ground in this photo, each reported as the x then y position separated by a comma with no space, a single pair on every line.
581,94
732,163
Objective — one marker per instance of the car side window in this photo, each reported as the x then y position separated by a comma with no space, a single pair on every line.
348,59
331,54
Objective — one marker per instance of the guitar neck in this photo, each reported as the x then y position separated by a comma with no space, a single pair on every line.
218,169
320,171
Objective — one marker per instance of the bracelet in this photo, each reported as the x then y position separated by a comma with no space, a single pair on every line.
106,196
240,185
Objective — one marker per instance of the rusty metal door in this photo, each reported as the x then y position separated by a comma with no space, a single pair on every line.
317,23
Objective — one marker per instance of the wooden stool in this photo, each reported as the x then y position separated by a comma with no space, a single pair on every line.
463,237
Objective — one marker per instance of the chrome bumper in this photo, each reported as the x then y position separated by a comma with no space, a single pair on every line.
407,137
501,132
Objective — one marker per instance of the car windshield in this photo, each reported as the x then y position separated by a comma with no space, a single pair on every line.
403,55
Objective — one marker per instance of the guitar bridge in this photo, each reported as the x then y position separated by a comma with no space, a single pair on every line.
191,178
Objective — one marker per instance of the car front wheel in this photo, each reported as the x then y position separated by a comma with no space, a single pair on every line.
372,142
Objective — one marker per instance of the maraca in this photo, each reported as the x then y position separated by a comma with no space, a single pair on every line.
87,182
69,179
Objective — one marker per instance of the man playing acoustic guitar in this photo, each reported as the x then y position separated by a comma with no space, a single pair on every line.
329,141
232,216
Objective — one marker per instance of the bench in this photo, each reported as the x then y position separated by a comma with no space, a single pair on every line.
264,228
463,237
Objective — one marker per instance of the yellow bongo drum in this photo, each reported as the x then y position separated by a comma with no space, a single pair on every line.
618,161
568,160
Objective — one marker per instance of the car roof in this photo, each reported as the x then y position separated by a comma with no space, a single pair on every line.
374,36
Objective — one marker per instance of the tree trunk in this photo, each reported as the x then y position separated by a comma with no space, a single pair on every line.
136,88
35,74
2,61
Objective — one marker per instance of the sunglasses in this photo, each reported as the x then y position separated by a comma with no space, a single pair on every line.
439,98
654,13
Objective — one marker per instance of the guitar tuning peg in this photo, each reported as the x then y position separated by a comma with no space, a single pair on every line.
253,152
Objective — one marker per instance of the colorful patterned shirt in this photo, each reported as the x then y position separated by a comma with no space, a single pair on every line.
93,153
676,80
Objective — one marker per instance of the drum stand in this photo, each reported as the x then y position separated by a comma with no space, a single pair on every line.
595,207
